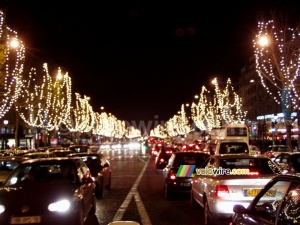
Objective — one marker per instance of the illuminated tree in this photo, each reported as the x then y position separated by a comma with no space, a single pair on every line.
277,52
12,56
217,109
45,103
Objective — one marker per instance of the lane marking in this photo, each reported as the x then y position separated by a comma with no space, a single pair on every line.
134,194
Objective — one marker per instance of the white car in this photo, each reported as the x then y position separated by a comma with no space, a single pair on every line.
254,150
229,179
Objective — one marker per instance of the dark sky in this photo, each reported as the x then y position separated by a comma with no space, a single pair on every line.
140,59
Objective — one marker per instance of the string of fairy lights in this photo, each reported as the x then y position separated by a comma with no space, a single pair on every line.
277,54
46,103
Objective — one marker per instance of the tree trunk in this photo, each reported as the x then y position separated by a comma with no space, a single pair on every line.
17,144
288,134
298,118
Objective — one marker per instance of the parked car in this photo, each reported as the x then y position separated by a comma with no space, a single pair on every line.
228,179
254,150
163,157
273,150
48,190
175,182
7,164
100,169
277,203
62,152
289,162
36,155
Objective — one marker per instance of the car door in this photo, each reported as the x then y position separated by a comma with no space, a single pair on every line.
87,190
200,182
263,209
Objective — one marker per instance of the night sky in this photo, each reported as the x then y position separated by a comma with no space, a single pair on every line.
141,59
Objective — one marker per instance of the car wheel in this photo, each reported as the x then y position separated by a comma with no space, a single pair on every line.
168,193
208,218
93,209
194,204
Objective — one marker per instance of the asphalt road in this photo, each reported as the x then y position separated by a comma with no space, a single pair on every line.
136,194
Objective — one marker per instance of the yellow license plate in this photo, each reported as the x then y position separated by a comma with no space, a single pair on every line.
251,192
254,192
25,220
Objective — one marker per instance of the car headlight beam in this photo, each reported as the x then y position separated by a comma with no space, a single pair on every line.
2,208
60,206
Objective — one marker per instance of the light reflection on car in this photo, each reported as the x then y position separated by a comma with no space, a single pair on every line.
277,203
48,191
217,193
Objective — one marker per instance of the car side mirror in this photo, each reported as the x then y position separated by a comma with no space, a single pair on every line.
239,209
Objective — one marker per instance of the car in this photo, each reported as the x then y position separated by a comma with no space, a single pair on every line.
7,164
48,191
179,162
289,162
100,169
79,148
273,150
155,149
163,157
210,148
254,150
62,152
191,146
35,155
231,146
228,179
277,203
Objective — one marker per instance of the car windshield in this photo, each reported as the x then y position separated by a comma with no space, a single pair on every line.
34,173
259,165
189,159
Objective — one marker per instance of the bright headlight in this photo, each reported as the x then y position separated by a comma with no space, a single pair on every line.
60,206
2,208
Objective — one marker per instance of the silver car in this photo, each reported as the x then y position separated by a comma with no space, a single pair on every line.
228,179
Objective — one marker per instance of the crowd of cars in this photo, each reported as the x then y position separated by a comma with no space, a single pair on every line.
74,178
236,185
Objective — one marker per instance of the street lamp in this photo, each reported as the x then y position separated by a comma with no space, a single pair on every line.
5,122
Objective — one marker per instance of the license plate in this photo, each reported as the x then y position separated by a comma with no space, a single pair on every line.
185,184
25,220
254,192
251,192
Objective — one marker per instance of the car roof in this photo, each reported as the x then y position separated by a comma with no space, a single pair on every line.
54,159
288,177
241,156
84,154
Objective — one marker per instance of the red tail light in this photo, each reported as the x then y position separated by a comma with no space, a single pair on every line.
222,191
172,176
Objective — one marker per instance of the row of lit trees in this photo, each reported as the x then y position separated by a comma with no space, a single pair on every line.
277,53
213,109
46,103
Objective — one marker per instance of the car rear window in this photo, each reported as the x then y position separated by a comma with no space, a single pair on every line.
191,159
260,165
233,148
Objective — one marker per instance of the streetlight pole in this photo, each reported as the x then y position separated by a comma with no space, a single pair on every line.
5,122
